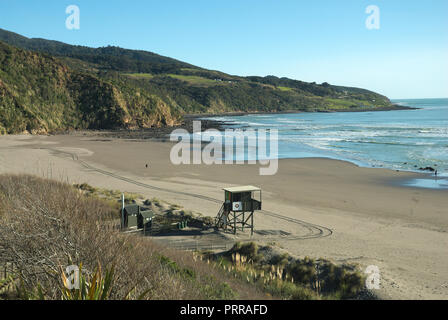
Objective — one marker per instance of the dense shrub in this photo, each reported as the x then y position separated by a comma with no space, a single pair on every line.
247,249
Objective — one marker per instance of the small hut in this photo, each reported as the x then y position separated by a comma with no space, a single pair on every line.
135,216
238,208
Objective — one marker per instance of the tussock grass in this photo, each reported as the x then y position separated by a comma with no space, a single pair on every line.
108,194
285,276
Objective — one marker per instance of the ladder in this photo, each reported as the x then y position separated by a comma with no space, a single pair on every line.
221,218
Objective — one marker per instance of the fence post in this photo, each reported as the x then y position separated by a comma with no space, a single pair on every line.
122,211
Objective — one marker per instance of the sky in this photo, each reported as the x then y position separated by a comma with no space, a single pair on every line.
321,40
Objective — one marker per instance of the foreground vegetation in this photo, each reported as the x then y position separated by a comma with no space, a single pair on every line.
47,225
46,86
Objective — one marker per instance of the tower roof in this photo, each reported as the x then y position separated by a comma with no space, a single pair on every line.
241,189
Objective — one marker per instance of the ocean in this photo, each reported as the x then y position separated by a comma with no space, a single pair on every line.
399,140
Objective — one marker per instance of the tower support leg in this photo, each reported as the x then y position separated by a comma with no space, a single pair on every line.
252,223
234,222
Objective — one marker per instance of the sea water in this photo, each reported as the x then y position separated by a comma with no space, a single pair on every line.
400,140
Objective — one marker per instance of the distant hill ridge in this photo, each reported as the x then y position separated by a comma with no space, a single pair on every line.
47,86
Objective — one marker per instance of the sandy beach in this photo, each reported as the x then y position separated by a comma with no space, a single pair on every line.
363,214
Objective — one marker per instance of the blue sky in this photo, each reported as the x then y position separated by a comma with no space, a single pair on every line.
322,40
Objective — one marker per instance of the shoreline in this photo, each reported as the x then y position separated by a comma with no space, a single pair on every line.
417,174
394,107
164,138
162,132
162,135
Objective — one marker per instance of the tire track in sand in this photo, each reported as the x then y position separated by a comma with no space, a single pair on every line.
313,230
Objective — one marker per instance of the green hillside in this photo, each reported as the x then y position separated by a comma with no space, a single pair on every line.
48,86
38,94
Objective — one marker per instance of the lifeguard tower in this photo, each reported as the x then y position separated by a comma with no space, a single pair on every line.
238,208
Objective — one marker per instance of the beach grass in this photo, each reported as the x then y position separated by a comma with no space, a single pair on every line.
280,274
